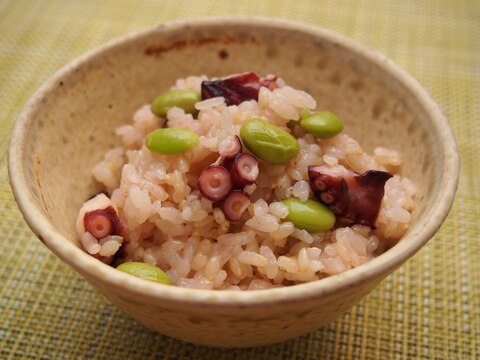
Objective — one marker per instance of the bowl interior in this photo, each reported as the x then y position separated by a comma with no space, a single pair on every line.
72,119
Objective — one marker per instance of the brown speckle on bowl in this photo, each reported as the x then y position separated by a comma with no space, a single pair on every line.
157,50
303,314
322,63
196,320
335,79
223,54
271,52
411,128
298,61
378,108
356,85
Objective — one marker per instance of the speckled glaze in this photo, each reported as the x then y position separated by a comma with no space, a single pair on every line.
68,124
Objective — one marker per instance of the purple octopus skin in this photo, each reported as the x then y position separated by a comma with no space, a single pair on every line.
215,183
235,205
236,89
354,198
230,146
103,222
244,170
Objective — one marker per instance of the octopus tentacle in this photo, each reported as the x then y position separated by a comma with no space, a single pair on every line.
235,205
215,183
103,222
238,88
354,198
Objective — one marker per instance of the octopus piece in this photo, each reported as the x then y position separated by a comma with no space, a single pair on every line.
223,181
235,205
103,222
98,216
244,170
238,88
354,198
229,147
215,183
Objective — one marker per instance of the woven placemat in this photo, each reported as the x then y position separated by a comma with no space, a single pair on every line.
429,308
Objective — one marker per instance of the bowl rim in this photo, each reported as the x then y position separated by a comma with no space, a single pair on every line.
126,284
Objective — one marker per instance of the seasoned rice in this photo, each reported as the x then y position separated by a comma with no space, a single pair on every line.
170,225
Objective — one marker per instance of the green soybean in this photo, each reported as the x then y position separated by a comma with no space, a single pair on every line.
171,140
309,215
145,271
185,99
322,125
268,142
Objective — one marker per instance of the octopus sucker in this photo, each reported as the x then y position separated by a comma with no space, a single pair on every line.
215,183
244,170
235,205
354,198
99,217
103,222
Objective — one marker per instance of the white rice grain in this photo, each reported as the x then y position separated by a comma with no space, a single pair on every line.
284,230
109,248
212,267
252,258
266,223
278,209
138,207
210,103
387,156
303,260
90,243
301,190
302,235
241,238
288,264
258,284
260,207
271,269
171,214
294,174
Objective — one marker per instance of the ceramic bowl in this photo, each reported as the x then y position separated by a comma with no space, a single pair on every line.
68,124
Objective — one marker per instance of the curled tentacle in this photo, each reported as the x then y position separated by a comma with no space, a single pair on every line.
354,198
215,182
235,205
98,216
103,222
244,170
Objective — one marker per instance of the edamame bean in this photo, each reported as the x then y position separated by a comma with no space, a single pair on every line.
185,99
322,125
268,142
171,140
145,271
309,215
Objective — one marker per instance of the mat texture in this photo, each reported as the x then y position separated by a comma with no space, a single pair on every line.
429,308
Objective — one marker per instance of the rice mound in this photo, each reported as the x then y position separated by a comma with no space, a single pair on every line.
173,227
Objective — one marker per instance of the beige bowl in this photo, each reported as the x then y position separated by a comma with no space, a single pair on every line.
68,124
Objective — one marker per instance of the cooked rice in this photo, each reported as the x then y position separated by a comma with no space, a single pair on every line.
171,226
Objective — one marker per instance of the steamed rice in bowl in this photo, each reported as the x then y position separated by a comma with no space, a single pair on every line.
164,219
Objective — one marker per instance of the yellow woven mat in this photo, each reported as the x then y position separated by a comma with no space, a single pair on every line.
427,309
